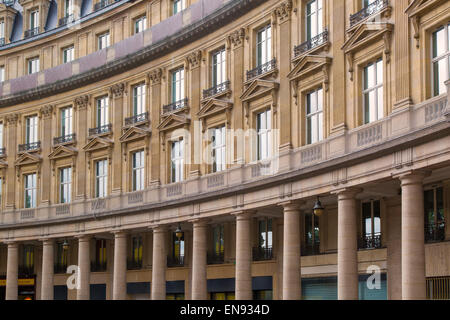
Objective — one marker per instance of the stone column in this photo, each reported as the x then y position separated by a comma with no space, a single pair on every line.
120,266
199,248
243,256
394,243
84,265
291,251
47,270
347,245
413,238
12,271
159,263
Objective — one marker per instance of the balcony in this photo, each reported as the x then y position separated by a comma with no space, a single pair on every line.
31,32
2,152
224,86
314,42
2,41
174,262
98,266
32,146
100,130
264,68
310,250
369,241
215,258
134,264
174,106
59,268
371,9
102,3
26,270
64,139
67,19
435,232
139,118
8,3
262,254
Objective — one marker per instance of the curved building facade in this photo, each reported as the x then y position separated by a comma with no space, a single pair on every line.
224,149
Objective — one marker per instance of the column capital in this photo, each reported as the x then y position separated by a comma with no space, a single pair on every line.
199,222
291,205
83,237
412,177
47,241
347,193
243,214
158,228
11,243
119,233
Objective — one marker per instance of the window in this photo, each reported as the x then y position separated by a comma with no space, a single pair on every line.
61,258
136,253
33,65
103,41
1,137
140,24
371,225
2,32
68,54
100,255
312,238
178,249
138,170
31,133
314,116
177,161
102,111
441,59
218,140
373,91
65,185
265,233
66,121
30,190
101,178
178,5
28,260
219,67
366,3
68,8
177,85
2,73
314,24
34,19
263,127
139,99
218,240
264,45
434,214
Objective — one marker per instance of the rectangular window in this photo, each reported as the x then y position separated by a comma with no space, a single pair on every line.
371,225
366,3
139,99
314,24
2,32
177,161
312,238
103,41
218,240
66,121
178,6
434,214
65,185
441,59
177,85
68,8
100,252
140,24
2,73
178,249
31,133
68,54
30,190
1,135
28,258
61,258
138,170
373,91
263,127
136,252
218,140
33,65
314,116
102,111
34,19
219,67
265,233
101,178
264,45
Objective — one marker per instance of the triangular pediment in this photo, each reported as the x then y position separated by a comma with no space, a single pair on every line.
97,143
308,64
134,133
27,158
259,88
419,7
364,34
62,152
214,106
173,121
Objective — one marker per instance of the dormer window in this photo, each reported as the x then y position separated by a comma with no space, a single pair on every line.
68,8
178,6
34,19
2,33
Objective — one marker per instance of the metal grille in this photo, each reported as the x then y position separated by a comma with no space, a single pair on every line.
136,119
438,288
175,106
29,146
312,43
259,70
99,130
31,32
371,9
224,86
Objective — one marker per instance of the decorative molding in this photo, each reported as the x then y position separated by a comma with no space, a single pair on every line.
12,118
118,90
194,59
237,37
46,112
155,76
82,102
283,11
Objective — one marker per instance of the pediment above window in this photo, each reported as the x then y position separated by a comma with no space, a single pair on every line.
28,158
173,121
259,88
98,143
214,106
63,152
307,65
134,133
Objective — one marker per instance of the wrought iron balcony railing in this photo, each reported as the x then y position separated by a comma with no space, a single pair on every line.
175,261
64,139
136,119
369,241
134,264
101,129
26,270
262,254
29,146
215,258
259,70
2,41
97,266
311,43
101,4
2,152
371,9
60,268
67,19
8,3
435,232
175,106
310,249
224,86
31,32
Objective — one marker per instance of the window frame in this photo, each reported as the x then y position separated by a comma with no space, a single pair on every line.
216,65
177,85
139,99
30,190
318,114
31,129
218,148
377,87
319,20
264,132
101,179
104,35
102,111
65,186
177,161
443,57
264,45
68,58
138,171
33,65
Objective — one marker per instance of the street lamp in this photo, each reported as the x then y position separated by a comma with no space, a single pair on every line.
318,209
65,244
179,232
